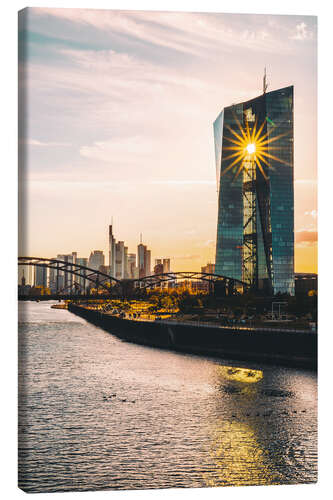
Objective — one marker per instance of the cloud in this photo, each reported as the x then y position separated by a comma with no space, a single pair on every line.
184,181
306,238
187,257
312,213
206,243
34,142
302,32
118,150
192,34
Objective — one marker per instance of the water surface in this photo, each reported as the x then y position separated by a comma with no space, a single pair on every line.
99,413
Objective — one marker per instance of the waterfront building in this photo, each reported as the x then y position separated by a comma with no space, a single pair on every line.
254,166
306,283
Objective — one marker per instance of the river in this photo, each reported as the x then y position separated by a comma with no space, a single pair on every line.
97,413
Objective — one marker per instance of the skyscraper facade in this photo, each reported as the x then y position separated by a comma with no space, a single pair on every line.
120,260
41,276
112,253
65,279
255,179
96,259
131,266
144,261
83,282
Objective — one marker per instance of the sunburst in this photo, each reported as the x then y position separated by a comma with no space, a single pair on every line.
250,145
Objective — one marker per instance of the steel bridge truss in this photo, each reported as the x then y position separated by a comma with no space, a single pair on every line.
158,280
97,278
129,286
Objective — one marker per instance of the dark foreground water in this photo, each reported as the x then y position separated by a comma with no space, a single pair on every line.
98,413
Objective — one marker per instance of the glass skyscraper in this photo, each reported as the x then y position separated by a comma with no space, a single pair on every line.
255,178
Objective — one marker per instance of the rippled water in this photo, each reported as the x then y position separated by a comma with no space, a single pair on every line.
98,413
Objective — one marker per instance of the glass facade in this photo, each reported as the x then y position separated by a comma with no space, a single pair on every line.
254,167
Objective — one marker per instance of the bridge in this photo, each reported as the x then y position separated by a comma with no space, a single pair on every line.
113,287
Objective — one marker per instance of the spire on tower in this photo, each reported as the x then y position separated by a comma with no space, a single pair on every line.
265,84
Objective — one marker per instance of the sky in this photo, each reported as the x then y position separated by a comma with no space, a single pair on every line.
118,123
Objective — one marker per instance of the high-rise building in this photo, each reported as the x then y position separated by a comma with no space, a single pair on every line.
82,282
209,268
96,259
163,266
254,166
65,279
144,258
120,260
158,268
166,265
112,253
41,276
53,280
131,266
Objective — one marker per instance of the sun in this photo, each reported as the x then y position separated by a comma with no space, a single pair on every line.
250,145
251,148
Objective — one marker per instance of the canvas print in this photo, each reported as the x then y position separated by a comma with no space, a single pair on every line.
167,262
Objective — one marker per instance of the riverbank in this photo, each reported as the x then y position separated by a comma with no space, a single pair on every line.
276,346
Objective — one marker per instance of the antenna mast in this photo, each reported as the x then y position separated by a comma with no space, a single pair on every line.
265,84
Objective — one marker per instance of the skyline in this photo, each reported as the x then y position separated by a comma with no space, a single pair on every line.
161,90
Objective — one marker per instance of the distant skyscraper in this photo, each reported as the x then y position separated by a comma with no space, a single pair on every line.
53,280
158,268
41,276
96,259
83,282
144,258
166,265
112,253
120,260
209,268
131,266
254,166
66,279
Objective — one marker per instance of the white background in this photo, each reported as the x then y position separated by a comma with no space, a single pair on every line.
8,232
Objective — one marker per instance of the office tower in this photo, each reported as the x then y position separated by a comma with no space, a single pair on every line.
53,280
131,266
209,268
254,166
66,279
158,268
120,260
82,282
96,259
112,253
126,262
166,265
144,258
41,276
